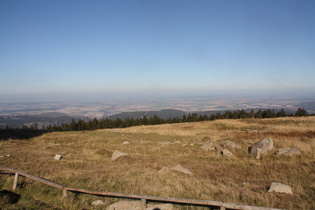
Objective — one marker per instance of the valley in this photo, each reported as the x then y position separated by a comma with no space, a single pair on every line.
48,111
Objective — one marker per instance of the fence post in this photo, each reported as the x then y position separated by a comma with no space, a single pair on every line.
64,193
15,181
143,204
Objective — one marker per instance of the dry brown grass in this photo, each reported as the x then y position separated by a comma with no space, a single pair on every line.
239,179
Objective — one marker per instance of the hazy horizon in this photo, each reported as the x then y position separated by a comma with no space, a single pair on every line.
94,97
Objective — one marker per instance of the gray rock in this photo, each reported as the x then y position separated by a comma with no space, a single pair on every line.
117,154
166,206
164,169
218,148
230,144
97,203
255,152
261,147
280,188
123,205
226,152
180,168
136,205
58,157
207,146
288,151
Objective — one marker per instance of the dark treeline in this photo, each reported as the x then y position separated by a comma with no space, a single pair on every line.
155,120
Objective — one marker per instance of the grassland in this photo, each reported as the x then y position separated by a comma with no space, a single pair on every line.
238,179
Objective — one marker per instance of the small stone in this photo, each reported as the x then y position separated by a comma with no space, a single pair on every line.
58,157
280,188
245,183
97,203
218,148
160,207
136,205
117,154
123,205
207,146
226,152
125,142
180,168
230,144
288,151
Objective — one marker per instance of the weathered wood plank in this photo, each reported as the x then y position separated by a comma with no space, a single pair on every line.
143,198
44,181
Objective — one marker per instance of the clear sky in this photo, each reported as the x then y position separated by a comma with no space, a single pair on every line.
156,46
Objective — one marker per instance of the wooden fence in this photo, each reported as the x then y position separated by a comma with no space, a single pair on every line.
144,198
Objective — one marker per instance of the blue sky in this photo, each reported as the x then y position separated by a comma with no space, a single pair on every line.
156,47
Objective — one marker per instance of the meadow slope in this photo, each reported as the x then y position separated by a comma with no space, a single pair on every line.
238,179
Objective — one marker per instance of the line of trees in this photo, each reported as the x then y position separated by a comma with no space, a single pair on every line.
155,120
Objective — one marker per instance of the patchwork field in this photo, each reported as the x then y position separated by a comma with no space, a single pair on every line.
239,179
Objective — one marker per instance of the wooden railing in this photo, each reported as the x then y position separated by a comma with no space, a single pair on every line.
144,198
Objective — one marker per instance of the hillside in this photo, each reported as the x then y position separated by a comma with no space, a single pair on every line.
239,179
45,119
